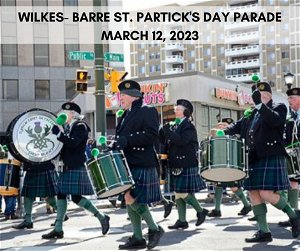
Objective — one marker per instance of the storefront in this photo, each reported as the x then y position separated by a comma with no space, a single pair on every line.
213,98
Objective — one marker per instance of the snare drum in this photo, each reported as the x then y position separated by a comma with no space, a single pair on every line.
223,159
110,174
293,162
30,137
9,177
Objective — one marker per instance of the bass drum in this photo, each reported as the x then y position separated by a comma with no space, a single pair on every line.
30,137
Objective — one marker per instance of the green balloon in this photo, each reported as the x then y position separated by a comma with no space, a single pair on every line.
95,152
177,121
102,140
255,78
62,119
220,133
5,148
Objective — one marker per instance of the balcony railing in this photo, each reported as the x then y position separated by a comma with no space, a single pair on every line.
251,49
250,63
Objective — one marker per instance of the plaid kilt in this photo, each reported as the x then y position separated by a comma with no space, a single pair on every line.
189,181
75,182
146,188
268,174
40,183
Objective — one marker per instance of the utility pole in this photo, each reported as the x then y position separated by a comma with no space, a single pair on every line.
99,79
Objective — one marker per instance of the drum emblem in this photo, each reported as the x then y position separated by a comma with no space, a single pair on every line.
39,138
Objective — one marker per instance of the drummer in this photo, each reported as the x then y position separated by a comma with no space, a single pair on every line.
183,161
292,137
235,187
40,181
136,134
263,133
74,179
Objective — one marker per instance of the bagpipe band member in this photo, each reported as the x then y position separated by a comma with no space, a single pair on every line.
263,133
292,138
136,134
183,148
74,179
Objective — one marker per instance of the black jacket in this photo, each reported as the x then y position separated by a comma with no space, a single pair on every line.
139,129
182,145
263,131
73,151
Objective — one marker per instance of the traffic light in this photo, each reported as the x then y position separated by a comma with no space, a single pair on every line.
115,77
81,80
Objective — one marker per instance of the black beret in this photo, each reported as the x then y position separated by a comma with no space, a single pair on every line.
131,88
70,106
187,104
293,92
264,87
227,120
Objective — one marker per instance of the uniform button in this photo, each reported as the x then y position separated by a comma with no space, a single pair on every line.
137,132
138,149
183,157
117,136
275,141
144,132
176,157
143,149
271,144
268,143
134,148
131,135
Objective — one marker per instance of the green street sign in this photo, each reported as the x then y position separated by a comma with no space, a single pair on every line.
81,55
113,57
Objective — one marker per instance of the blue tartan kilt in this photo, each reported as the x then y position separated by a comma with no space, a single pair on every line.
146,189
40,183
269,173
189,181
75,182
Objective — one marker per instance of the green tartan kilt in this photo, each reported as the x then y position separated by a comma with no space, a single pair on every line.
146,188
75,182
40,183
268,173
189,181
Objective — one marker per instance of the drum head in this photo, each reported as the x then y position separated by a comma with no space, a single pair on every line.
30,137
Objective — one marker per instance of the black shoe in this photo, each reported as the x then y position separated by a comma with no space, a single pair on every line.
105,224
168,209
201,217
179,224
252,218
214,213
296,224
23,225
260,236
133,243
53,234
284,223
154,237
14,216
245,210
65,219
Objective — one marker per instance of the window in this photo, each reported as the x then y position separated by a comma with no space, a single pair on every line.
191,54
207,64
68,62
207,51
142,70
271,55
39,2
9,54
42,89
220,63
141,46
70,2
141,57
157,56
191,67
70,89
152,55
10,89
41,54
271,70
285,54
8,2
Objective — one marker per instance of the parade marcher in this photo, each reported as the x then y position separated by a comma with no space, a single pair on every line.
10,207
263,133
235,188
136,134
74,179
40,181
183,162
292,137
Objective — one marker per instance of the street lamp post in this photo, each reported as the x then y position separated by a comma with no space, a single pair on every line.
289,79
